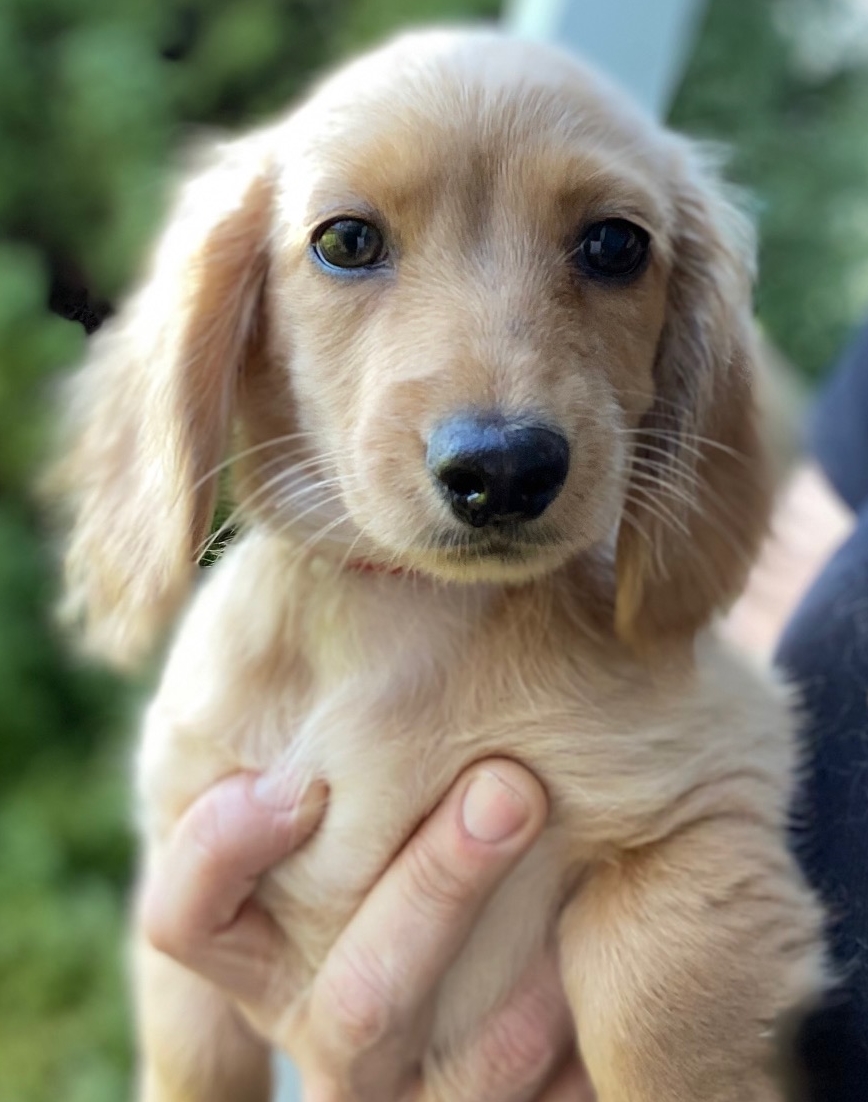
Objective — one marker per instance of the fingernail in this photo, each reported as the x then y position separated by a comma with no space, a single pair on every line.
313,803
492,810
278,790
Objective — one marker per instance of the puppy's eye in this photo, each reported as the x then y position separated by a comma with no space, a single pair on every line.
614,248
349,243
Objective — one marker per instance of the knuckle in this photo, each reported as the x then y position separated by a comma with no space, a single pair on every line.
517,1050
353,1001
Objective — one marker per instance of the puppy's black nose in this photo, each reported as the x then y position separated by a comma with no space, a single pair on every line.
492,470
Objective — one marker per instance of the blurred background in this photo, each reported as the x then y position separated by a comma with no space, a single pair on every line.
96,97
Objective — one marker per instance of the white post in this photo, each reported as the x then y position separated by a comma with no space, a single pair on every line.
643,44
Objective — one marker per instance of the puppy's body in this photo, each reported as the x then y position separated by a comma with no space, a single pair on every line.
387,687
382,624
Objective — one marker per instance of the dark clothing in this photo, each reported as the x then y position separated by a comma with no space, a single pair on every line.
825,651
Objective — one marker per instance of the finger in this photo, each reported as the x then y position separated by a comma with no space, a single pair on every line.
196,905
571,1085
519,1045
380,975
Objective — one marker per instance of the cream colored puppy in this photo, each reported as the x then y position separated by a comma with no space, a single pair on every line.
481,334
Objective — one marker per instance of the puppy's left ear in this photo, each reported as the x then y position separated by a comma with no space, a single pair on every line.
700,487
147,416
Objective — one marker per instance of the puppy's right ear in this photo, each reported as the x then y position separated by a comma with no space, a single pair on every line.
148,415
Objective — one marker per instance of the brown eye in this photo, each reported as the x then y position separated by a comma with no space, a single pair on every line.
349,243
615,248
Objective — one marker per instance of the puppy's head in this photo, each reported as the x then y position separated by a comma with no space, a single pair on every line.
472,315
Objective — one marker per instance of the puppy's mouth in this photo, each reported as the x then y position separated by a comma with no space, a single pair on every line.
513,546
488,551
508,542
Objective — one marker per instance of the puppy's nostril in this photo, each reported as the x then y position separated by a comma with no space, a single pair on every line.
466,484
468,492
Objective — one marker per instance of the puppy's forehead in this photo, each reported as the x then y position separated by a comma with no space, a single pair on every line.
463,112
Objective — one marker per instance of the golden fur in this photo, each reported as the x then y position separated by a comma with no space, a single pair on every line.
685,929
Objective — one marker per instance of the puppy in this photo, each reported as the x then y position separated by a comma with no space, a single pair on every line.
478,336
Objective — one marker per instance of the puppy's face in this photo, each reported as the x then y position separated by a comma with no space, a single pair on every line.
473,314
467,292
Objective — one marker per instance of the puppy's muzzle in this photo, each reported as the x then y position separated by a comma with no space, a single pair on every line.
494,470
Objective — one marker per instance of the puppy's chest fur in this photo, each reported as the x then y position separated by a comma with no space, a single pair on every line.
387,687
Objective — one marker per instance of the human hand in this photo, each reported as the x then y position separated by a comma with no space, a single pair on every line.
809,523
362,1032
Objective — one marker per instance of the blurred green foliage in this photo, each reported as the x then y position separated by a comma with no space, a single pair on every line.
94,98
799,143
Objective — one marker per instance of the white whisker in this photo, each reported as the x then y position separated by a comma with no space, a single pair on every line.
660,512
274,442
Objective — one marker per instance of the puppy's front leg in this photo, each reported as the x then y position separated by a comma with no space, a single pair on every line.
680,960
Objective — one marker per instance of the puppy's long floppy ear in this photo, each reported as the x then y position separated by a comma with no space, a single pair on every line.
700,487
148,414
